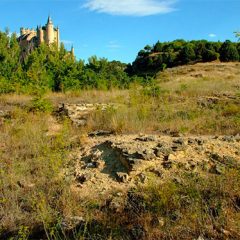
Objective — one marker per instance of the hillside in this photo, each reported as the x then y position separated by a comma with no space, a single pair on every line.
179,52
154,162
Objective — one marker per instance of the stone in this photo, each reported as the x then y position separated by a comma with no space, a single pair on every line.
148,154
158,152
145,155
179,141
79,113
191,141
177,147
228,138
133,162
163,151
100,133
177,180
237,138
175,134
122,177
146,139
92,165
83,177
199,141
96,155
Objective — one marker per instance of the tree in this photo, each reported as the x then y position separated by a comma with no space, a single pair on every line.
210,55
229,52
187,54
158,47
237,34
148,48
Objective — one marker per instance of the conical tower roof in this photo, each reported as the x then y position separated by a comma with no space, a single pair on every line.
49,21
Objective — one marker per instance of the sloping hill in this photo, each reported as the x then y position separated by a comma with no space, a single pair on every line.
203,78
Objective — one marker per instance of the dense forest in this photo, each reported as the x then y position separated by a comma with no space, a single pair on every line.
48,69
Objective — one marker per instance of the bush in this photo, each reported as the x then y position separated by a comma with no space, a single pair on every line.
39,104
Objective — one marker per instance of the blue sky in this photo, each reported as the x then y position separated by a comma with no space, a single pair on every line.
118,29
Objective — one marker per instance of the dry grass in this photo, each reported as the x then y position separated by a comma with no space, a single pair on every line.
36,195
199,99
33,190
202,79
89,96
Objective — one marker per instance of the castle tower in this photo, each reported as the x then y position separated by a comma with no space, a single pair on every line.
49,32
40,35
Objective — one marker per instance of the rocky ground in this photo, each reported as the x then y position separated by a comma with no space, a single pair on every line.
120,162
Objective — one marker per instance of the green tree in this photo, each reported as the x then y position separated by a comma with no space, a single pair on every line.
229,52
237,34
187,54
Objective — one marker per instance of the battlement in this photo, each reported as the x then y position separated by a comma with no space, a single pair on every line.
24,31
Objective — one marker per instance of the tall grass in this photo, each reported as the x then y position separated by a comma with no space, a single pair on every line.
166,112
34,192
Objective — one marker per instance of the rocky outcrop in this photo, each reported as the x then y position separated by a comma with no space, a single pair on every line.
108,161
79,113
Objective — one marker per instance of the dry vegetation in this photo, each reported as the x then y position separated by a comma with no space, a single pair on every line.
35,194
199,99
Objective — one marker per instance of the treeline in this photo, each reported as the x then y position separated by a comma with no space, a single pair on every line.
49,69
154,58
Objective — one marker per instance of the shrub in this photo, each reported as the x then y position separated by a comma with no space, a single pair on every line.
39,104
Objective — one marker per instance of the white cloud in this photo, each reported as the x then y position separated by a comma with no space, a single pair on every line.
212,35
131,7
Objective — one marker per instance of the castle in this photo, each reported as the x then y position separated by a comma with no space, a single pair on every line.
30,38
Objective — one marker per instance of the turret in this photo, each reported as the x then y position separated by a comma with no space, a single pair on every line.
22,31
49,32
40,35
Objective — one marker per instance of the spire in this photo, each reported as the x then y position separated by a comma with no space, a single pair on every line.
49,21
